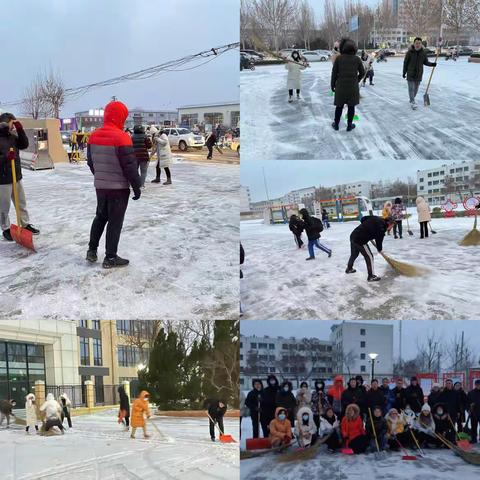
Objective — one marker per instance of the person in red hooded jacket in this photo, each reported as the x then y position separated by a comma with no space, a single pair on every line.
353,431
334,395
112,160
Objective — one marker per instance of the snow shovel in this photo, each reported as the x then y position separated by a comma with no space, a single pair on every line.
223,438
426,96
258,443
347,451
422,453
405,455
431,229
21,235
378,455
463,444
408,227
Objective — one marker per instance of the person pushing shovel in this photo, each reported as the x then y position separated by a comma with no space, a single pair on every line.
216,410
415,59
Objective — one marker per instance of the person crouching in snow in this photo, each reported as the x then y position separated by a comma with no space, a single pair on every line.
140,410
424,427
415,59
330,426
370,228
53,414
294,77
313,227
124,410
367,61
443,423
305,428
280,428
216,410
397,213
347,73
31,412
164,157
296,227
424,216
397,433
112,161
353,432
380,426
12,139
66,405
6,407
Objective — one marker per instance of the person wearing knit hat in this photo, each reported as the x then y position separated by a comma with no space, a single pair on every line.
424,427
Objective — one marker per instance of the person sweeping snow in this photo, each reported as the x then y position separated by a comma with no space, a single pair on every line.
66,405
6,410
415,59
313,226
347,73
140,410
296,227
53,414
370,228
367,61
31,412
424,216
216,410
294,77
124,410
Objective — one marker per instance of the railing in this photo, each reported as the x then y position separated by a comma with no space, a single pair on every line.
76,393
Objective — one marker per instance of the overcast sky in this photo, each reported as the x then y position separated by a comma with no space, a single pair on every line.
93,40
412,329
285,175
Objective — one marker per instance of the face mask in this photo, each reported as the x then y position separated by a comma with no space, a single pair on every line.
440,412
305,418
282,416
285,389
272,382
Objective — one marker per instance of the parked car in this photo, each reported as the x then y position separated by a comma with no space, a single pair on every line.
253,53
465,51
315,56
183,138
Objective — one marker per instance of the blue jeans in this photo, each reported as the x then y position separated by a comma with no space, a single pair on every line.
315,243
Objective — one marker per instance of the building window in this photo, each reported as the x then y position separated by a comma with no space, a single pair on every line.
363,332
96,324
363,368
97,352
241,356
128,356
362,344
362,356
83,323
262,345
235,119
84,351
253,345
213,118
189,119
271,346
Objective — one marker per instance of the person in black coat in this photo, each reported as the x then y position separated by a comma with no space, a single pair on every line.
141,145
287,400
385,389
268,402
443,422
12,139
397,396
375,397
6,410
210,143
216,409
413,63
254,404
435,394
414,395
325,221
462,405
124,413
296,227
313,226
449,398
353,394
380,426
371,228
347,73
473,401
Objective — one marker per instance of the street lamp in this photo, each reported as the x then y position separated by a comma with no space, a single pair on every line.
373,357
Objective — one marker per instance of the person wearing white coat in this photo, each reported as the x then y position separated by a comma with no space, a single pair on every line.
294,77
424,216
31,412
305,428
53,413
164,157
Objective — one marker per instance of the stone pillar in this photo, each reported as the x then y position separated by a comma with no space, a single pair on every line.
39,391
126,386
90,394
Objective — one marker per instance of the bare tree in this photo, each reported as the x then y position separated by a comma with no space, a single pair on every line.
342,360
421,15
33,99
429,350
255,364
245,22
459,353
461,14
53,93
306,23
334,25
142,335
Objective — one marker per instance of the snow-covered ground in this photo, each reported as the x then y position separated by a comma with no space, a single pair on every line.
181,240
436,465
98,448
279,284
273,129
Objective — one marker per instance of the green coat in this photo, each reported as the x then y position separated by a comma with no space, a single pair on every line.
413,64
347,73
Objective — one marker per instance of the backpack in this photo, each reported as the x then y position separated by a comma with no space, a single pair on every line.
317,223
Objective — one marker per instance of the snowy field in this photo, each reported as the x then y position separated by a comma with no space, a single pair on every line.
436,465
98,448
273,129
181,240
279,284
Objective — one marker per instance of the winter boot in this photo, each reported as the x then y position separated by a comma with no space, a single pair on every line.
32,229
92,256
413,105
350,270
298,96
350,127
310,258
168,182
290,98
335,126
329,254
212,439
114,262
156,180
373,278
7,235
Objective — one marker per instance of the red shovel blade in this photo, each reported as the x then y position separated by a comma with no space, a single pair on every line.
409,457
22,236
347,451
227,439
257,443
464,445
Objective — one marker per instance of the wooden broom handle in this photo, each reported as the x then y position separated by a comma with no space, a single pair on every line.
433,69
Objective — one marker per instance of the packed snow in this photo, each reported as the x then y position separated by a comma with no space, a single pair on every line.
436,465
181,240
97,447
387,127
279,284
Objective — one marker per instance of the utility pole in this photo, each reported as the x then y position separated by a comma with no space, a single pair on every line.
265,183
461,349
400,342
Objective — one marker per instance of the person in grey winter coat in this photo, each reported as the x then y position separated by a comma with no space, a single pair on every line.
413,63
6,407
164,157
347,73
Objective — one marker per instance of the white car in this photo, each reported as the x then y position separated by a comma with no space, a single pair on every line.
183,138
315,56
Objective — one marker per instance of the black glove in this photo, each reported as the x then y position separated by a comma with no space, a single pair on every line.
434,64
404,75
136,194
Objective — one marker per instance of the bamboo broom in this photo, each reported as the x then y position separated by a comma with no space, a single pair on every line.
403,268
472,238
304,453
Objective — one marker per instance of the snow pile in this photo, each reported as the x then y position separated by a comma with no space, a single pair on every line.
273,129
98,448
279,284
181,240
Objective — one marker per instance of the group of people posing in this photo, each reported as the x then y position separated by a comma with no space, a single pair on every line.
350,70
362,417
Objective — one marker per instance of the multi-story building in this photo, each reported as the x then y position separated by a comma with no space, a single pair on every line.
225,114
245,200
65,354
440,183
288,358
298,196
361,189
352,342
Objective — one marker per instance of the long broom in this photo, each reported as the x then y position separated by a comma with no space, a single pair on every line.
422,453
378,455
462,443
304,453
405,269
472,238
470,457
431,229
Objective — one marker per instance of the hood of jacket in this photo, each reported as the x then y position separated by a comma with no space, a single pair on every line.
278,410
143,394
337,388
304,213
352,411
272,377
420,201
115,114
29,399
65,397
255,380
286,383
4,129
50,397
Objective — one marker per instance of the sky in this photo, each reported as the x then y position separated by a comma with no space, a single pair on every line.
284,175
412,329
93,40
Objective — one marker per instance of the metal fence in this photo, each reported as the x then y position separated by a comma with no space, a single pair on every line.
103,394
